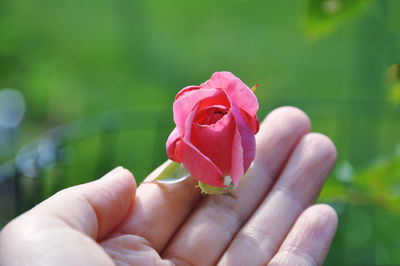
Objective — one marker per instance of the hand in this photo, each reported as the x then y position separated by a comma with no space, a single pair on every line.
269,220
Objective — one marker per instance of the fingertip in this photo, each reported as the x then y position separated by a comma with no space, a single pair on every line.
127,177
320,222
323,145
309,239
290,122
294,117
323,214
130,180
110,197
122,177
279,134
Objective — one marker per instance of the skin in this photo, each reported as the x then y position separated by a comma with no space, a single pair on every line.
271,220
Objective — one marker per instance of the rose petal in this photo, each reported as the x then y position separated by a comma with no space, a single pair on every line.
252,122
237,170
215,127
247,138
198,164
215,141
236,89
173,138
201,167
187,102
207,116
186,89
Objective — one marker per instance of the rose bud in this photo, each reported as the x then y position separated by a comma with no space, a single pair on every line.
215,127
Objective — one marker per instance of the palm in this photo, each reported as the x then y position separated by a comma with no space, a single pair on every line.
267,221
175,223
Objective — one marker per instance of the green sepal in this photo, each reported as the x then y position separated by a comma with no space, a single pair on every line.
211,190
227,191
173,173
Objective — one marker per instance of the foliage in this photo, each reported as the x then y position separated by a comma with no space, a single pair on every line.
369,201
321,17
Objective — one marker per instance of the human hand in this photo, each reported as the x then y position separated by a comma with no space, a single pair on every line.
269,220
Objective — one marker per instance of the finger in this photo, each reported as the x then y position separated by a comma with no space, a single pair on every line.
211,227
297,187
62,230
309,240
160,209
95,208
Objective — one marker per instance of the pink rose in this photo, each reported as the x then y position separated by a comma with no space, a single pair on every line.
215,127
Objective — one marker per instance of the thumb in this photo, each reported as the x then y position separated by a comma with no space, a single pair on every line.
94,208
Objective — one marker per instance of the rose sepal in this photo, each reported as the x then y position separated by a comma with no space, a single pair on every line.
226,191
211,190
173,173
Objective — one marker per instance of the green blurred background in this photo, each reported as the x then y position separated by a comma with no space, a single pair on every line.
86,86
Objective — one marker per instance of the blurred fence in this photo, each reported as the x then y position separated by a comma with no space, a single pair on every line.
20,177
